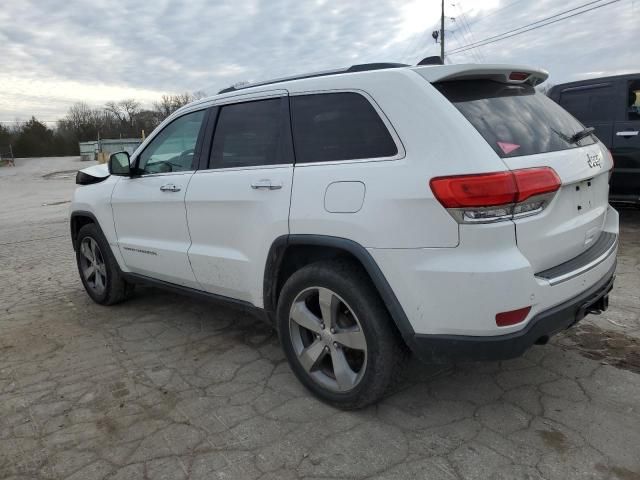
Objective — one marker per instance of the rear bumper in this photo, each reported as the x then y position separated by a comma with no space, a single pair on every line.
447,348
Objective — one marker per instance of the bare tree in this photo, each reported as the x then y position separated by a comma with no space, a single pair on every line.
124,110
113,108
170,103
163,108
198,95
130,109
79,114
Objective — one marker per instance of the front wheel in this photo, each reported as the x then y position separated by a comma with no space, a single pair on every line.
98,269
337,334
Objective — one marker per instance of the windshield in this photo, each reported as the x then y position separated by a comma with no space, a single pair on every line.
514,119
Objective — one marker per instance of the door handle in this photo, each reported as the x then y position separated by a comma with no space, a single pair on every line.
169,187
266,184
628,133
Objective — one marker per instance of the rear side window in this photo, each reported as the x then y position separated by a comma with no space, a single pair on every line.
514,119
251,134
590,104
338,126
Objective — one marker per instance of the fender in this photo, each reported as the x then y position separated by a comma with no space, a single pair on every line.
114,248
276,256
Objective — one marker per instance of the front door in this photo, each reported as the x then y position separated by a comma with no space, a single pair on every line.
239,204
149,209
625,182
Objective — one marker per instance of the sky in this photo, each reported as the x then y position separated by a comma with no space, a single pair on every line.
54,53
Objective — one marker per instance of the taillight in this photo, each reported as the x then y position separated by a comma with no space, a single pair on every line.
490,197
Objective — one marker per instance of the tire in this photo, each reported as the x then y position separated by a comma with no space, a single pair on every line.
359,319
105,284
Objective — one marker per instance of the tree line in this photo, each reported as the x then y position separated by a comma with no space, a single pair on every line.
122,119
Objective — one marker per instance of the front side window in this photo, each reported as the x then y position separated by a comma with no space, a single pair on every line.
338,126
250,134
173,148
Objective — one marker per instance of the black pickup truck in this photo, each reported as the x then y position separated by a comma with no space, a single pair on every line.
611,105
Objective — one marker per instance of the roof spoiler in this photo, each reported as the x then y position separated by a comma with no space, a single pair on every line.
516,74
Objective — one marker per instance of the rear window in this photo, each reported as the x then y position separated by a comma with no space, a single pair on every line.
338,126
514,119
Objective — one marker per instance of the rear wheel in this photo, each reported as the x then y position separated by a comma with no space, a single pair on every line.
98,269
337,334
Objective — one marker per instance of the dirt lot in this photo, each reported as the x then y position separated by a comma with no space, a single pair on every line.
168,387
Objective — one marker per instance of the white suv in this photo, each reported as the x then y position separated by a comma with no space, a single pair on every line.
451,211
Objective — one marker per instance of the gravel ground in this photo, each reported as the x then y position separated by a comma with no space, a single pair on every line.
169,387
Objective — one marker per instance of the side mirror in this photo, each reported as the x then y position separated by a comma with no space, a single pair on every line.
119,164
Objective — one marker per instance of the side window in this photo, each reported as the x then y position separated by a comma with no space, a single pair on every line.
173,148
633,100
338,126
590,104
251,134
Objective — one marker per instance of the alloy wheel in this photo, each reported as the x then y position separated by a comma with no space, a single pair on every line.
92,265
328,339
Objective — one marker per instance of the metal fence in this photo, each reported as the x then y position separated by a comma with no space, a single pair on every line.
90,150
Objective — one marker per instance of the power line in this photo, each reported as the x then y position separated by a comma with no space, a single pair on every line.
535,23
460,33
504,36
494,12
419,43
477,52
410,52
422,43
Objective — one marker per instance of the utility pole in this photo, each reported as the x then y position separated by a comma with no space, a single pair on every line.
442,33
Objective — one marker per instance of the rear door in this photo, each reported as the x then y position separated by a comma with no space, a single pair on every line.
625,182
239,203
527,129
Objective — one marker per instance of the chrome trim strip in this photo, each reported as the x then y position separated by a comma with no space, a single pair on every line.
584,268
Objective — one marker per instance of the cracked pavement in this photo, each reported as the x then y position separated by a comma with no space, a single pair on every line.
168,387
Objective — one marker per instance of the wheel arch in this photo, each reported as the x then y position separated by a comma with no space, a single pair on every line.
289,253
79,219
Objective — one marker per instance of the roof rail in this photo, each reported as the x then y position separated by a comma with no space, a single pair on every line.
363,67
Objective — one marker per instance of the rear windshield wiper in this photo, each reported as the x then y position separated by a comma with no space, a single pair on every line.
575,138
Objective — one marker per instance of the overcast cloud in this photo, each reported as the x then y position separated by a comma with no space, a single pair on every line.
57,52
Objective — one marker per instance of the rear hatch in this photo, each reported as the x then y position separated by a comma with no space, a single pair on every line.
526,129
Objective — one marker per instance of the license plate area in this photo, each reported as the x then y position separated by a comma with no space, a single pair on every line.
584,196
